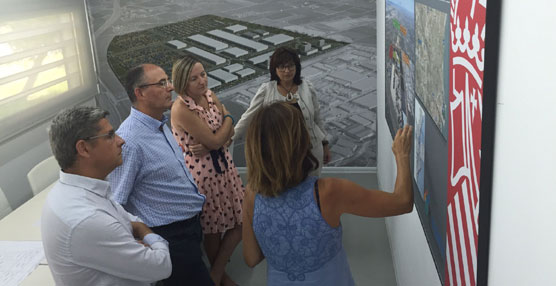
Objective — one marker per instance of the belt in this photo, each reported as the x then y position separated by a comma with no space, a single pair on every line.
179,224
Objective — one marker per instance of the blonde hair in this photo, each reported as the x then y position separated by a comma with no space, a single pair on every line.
180,73
278,149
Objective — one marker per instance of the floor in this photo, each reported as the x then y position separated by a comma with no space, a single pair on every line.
365,241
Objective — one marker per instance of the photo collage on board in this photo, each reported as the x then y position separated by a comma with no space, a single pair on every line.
400,63
416,93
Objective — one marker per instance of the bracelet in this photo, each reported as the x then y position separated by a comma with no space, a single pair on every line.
228,115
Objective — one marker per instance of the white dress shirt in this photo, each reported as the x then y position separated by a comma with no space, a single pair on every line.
88,238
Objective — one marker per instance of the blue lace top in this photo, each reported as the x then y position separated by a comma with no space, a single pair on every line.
300,247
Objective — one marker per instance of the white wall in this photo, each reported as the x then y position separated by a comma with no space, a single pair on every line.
523,227
19,155
410,252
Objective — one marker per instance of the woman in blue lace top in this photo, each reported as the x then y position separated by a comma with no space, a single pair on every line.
293,219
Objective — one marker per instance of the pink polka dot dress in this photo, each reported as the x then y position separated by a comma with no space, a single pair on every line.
215,173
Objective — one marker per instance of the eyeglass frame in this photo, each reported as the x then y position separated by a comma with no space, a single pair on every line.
289,67
111,135
165,83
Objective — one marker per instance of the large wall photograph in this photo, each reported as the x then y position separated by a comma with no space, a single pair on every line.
336,40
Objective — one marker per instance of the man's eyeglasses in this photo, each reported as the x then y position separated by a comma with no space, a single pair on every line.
110,136
163,83
283,68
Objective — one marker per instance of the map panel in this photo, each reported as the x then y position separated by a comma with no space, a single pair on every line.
430,47
419,148
431,123
400,64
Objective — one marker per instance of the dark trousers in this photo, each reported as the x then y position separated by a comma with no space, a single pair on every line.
184,238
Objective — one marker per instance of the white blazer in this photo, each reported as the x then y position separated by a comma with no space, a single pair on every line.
307,100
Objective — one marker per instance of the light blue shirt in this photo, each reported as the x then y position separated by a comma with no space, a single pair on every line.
153,182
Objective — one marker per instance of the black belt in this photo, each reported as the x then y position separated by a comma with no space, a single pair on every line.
179,224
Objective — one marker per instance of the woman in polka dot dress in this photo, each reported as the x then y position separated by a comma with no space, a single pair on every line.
203,128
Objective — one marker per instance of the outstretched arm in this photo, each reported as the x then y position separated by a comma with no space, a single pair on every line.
340,196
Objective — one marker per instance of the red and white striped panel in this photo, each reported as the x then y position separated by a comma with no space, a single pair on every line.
467,34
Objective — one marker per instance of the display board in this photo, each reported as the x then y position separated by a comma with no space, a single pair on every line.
400,63
434,81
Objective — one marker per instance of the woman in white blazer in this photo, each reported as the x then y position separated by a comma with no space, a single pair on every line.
286,85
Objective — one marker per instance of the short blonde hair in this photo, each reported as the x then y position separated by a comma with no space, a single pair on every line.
180,73
278,149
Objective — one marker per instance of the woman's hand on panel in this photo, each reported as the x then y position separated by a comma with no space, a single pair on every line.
402,142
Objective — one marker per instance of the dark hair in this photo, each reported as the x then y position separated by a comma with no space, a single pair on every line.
70,126
278,149
282,56
134,79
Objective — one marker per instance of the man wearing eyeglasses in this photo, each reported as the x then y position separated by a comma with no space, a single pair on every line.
88,238
153,182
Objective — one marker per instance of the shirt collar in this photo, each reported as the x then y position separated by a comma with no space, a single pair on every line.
147,120
191,104
99,187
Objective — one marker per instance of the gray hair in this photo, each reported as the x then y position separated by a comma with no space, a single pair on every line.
70,126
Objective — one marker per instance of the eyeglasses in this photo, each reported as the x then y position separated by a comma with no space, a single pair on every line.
163,83
283,68
110,136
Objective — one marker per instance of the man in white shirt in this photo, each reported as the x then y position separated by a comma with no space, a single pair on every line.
89,239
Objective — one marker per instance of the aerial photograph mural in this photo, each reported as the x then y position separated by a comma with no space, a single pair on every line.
233,39
431,51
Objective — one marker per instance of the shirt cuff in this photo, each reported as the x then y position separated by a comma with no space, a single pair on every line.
153,238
